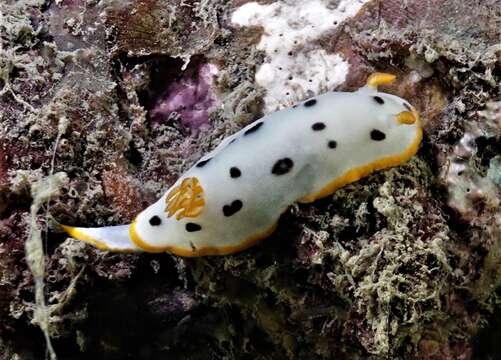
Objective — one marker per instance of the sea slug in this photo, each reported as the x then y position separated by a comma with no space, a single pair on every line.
234,195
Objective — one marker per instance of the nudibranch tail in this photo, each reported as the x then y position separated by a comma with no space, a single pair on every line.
112,238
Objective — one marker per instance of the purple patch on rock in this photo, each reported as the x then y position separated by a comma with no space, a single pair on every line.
190,97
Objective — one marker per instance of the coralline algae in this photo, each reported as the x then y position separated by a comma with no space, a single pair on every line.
190,98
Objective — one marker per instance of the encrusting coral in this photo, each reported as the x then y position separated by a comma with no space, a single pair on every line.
402,264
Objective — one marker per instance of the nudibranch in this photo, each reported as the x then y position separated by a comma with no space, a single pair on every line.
233,196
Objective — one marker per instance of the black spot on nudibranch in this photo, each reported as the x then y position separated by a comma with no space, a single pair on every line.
235,172
318,126
233,208
192,227
377,135
253,128
155,220
379,100
407,106
203,162
310,102
332,144
282,166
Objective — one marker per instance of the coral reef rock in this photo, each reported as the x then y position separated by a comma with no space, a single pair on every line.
103,104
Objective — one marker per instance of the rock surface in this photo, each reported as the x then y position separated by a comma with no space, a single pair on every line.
115,99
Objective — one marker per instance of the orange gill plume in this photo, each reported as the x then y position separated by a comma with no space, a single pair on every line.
186,199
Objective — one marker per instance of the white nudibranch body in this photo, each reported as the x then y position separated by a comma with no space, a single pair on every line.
234,195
